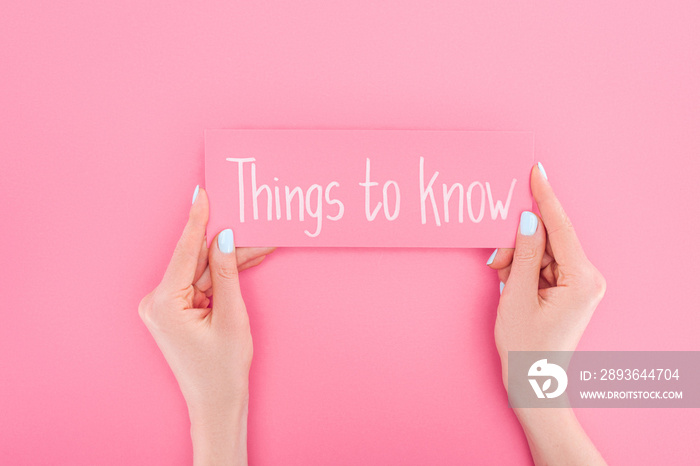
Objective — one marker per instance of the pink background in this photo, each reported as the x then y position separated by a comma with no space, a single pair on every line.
362,356
500,160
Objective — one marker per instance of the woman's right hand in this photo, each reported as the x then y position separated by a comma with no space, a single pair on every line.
549,290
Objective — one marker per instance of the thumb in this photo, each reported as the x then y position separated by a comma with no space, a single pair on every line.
524,278
223,267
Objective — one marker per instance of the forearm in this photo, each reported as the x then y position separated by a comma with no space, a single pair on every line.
221,439
556,437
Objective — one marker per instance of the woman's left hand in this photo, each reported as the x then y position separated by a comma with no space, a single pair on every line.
209,349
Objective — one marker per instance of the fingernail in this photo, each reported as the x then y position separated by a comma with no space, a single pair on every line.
194,196
493,256
544,173
528,223
501,290
226,241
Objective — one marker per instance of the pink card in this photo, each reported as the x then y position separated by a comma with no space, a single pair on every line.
368,188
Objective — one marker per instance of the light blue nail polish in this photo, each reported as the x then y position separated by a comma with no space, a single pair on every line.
493,256
528,223
194,196
226,241
544,173
501,290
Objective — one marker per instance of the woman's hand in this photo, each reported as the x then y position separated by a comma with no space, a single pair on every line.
549,290
209,349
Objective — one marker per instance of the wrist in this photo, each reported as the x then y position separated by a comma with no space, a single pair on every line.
545,419
544,429
220,437
556,437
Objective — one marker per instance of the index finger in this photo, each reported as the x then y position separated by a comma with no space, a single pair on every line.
566,247
183,265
